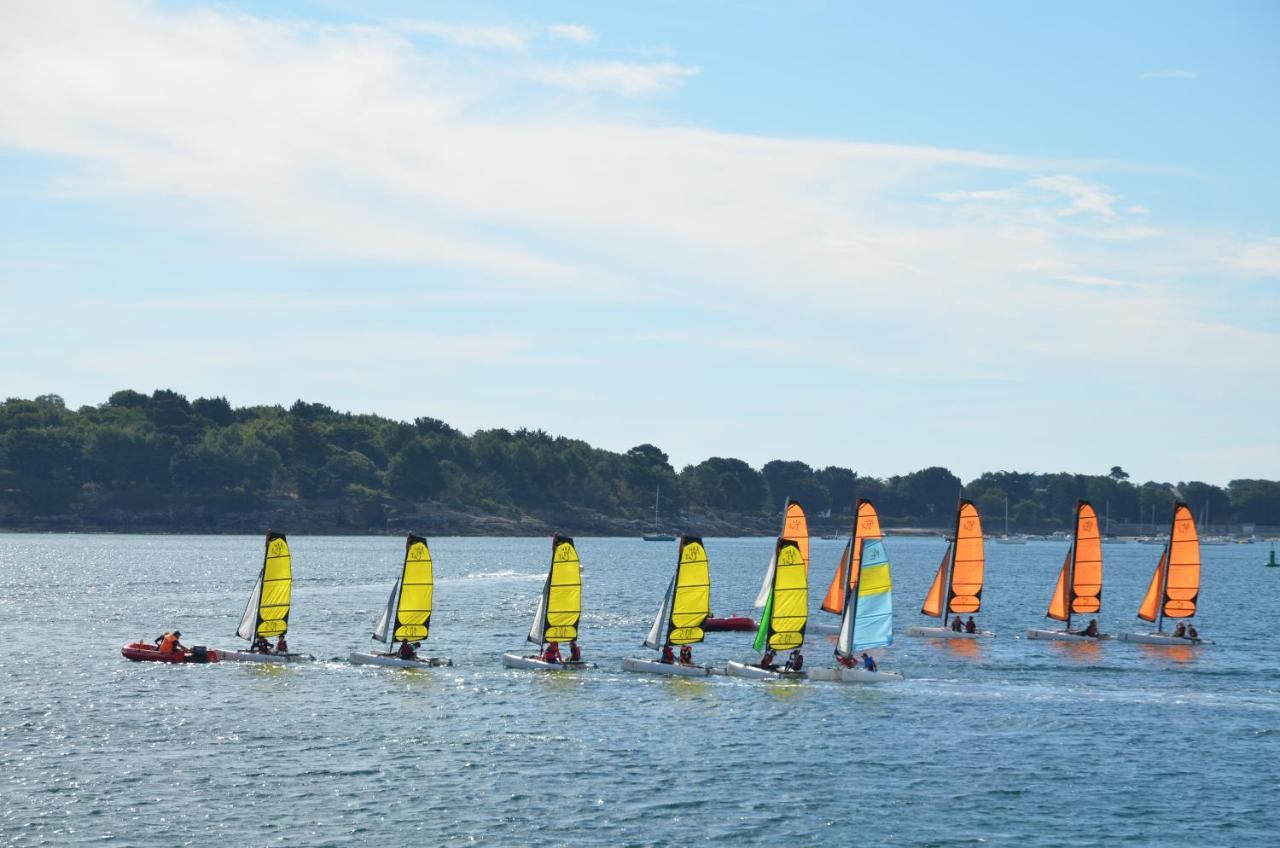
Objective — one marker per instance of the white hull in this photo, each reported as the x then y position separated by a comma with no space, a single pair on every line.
655,667
854,675
947,633
253,657
755,672
1064,636
826,628
391,660
535,664
1160,639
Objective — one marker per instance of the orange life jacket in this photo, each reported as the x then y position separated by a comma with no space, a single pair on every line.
167,643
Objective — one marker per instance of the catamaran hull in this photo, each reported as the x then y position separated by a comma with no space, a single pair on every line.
1160,639
854,675
655,667
252,657
359,658
1063,636
947,633
732,623
147,652
755,672
535,664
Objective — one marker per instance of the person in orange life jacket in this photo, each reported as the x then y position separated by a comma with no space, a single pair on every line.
282,647
575,653
869,662
970,626
795,662
766,662
261,645
551,654
686,655
406,650
169,643
956,624
667,656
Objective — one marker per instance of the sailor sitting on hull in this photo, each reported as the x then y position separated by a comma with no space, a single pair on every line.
551,653
686,655
970,626
1090,630
668,655
795,661
766,661
957,625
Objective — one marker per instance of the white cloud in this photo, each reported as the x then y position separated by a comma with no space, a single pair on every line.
627,78
1171,73
1261,259
501,37
575,33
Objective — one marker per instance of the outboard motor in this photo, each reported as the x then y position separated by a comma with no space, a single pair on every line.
199,654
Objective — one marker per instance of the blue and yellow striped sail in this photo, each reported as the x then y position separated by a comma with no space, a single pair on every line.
868,617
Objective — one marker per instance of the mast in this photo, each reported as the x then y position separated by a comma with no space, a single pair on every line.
657,497
1006,516
951,564
1069,587
850,592
1164,578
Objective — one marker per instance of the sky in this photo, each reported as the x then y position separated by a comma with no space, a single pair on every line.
988,236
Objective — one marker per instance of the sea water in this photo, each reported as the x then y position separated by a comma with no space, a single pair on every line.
995,742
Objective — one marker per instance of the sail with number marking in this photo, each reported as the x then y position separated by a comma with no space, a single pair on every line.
407,615
795,527
560,606
267,613
687,603
867,621
957,587
1079,587
786,609
866,525
1175,586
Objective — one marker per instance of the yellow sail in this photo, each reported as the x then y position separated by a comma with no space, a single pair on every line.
267,614
561,603
789,604
691,603
408,613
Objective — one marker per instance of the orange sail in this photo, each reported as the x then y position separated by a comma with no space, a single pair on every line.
968,562
1079,588
1175,586
865,526
933,600
795,527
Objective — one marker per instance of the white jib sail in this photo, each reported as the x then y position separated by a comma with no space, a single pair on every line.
249,621
656,637
767,586
539,619
386,628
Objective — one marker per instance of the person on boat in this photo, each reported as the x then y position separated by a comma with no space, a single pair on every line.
1181,630
1091,630
156,641
407,651
575,653
1192,633
551,654
261,645
169,643
869,662
970,626
686,655
766,661
795,661
282,647
668,656
956,624
847,662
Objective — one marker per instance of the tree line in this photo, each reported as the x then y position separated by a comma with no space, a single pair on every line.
164,452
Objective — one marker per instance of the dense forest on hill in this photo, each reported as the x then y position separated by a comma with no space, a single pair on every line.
162,462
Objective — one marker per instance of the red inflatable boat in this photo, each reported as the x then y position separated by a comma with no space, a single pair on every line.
733,622
148,652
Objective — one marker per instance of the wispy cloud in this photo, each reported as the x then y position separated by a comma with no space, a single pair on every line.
575,33
1260,259
627,78
1170,73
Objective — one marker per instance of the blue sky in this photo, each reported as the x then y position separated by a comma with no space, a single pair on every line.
986,237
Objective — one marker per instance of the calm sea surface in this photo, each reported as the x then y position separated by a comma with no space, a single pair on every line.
1003,742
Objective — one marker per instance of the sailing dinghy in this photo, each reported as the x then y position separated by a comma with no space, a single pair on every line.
957,587
266,616
866,525
1175,587
786,609
866,622
559,610
407,615
683,612
1079,588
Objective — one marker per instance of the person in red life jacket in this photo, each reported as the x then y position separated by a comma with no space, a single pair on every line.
795,661
575,653
970,626
551,654
766,662
169,643
686,655
406,651
956,624
282,647
261,645
668,656
847,662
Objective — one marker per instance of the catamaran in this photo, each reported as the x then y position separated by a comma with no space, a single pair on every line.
866,525
407,615
1079,588
266,616
957,587
867,620
1174,591
683,612
786,609
559,611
